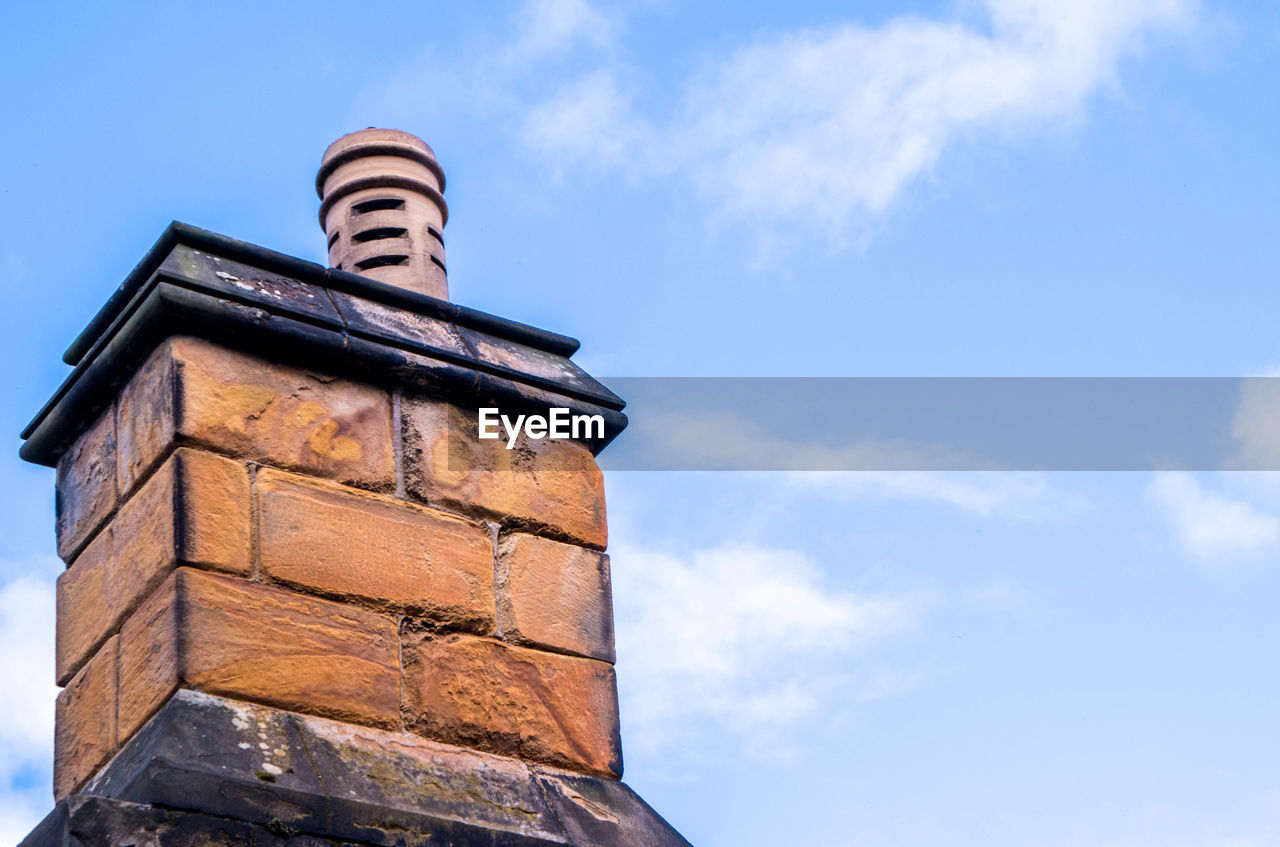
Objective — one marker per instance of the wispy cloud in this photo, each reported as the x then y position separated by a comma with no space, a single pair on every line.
741,637
826,127
589,120
1211,526
26,701
553,27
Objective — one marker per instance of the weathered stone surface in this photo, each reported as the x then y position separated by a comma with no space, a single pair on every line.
101,822
555,595
150,657
85,722
319,781
523,358
272,646
86,485
213,526
599,811
339,541
514,701
222,757
258,643
86,611
380,781
194,510
553,487
146,421
245,281
380,320
203,394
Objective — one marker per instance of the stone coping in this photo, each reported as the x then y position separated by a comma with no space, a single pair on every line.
200,283
223,763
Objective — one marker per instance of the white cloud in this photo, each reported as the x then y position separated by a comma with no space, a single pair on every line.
743,637
1211,526
550,27
827,127
587,120
26,703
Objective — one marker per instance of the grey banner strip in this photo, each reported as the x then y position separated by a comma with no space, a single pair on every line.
938,424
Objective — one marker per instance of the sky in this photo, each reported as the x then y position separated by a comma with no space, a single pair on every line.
971,188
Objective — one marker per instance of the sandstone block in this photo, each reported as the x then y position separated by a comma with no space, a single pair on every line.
514,701
194,510
86,485
150,665
146,421
343,542
553,487
85,723
195,392
555,595
258,643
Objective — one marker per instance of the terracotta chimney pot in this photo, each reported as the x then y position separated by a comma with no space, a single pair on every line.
383,210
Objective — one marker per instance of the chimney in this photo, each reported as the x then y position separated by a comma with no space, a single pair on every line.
305,603
382,208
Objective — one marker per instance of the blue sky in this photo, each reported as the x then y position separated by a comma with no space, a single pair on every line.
982,188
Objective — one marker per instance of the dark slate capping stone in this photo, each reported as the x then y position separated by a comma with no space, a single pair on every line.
270,260
196,282
89,821
192,748
195,771
601,811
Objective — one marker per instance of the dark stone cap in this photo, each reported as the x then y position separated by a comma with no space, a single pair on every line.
194,282
207,766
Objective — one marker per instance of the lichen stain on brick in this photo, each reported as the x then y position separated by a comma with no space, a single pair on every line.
327,442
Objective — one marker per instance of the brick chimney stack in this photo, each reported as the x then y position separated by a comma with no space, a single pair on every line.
304,602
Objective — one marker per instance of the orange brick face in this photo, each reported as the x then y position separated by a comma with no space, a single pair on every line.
556,596
552,487
87,611
194,510
85,723
258,643
146,420
196,392
231,529
343,542
86,486
150,660
477,692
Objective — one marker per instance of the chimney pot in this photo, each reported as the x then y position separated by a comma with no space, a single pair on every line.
382,208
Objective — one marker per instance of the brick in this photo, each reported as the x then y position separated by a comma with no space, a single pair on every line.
85,611
194,392
555,595
194,510
340,541
145,424
552,487
86,485
259,643
85,723
514,701
150,660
